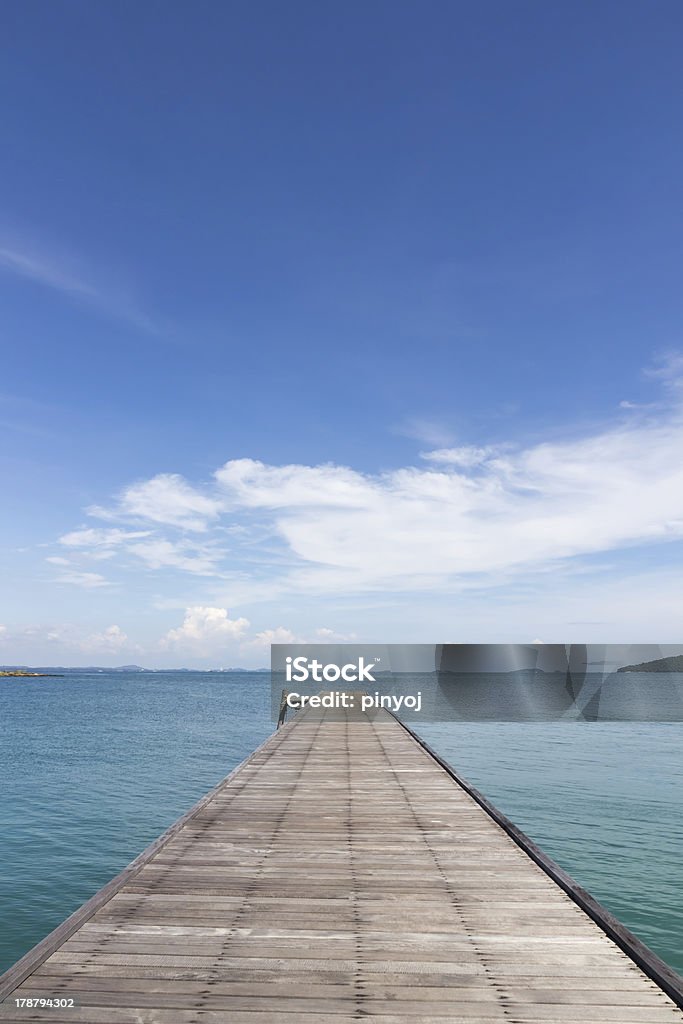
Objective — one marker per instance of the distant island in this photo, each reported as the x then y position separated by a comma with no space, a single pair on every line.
60,670
21,672
68,670
672,664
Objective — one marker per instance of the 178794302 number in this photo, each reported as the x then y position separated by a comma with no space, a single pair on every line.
43,1003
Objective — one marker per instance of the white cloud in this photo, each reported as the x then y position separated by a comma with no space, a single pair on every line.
465,457
44,273
251,484
266,637
164,554
206,627
49,272
166,499
331,635
668,369
70,637
156,552
425,430
86,580
640,406
524,510
90,538
471,516
282,635
110,639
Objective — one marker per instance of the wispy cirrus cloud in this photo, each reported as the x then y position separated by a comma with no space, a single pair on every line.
97,538
70,637
466,456
85,580
51,276
667,369
426,430
161,553
50,271
154,551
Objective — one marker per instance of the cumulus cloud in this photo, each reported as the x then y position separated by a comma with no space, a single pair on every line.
279,635
110,639
282,635
207,627
332,636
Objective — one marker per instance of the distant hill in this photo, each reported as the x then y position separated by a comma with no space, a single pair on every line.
672,664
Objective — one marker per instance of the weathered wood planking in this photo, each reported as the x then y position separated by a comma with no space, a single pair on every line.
340,874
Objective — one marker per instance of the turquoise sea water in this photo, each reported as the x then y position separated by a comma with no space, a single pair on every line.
93,767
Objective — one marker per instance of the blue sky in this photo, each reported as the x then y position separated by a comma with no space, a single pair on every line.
354,320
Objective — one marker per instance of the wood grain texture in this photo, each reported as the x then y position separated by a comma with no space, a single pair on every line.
339,875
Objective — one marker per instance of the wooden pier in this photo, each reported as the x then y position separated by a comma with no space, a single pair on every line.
341,874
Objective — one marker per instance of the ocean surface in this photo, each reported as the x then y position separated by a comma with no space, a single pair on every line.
93,767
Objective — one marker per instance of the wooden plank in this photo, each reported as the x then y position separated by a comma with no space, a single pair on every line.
650,964
339,874
24,967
